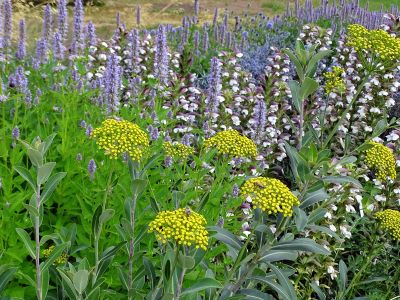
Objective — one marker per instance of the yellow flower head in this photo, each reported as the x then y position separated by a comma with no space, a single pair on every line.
390,220
270,194
62,259
334,80
178,150
232,143
184,226
117,137
381,159
376,41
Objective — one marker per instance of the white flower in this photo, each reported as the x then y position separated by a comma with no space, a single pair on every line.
331,270
102,56
350,208
328,215
392,136
332,227
380,198
345,231
371,207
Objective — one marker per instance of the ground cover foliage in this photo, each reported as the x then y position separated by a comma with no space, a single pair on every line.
245,158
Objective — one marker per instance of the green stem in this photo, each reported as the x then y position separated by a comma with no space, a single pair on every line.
131,245
37,241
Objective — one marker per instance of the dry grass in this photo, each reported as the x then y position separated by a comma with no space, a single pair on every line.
166,11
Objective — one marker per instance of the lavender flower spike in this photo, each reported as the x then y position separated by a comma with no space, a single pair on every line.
196,7
7,23
62,18
161,56
214,89
92,168
47,20
15,133
91,37
112,83
77,39
21,51
58,46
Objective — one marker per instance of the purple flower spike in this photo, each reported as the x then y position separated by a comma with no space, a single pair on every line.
92,168
15,133
58,46
90,35
47,20
7,23
161,56
21,51
214,89
235,190
63,18
77,39
112,83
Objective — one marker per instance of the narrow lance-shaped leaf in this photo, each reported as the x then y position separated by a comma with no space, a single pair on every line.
51,185
27,241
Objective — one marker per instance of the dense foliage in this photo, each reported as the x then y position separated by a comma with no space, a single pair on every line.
255,159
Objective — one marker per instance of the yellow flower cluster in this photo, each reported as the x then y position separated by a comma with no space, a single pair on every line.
334,80
62,259
377,41
232,143
381,158
118,137
270,194
390,220
183,225
178,150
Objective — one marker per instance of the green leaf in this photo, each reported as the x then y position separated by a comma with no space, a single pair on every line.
226,237
380,128
106,215
302,244
44,172
150,272
314,197
318,291
297,99
138,186
278,255
35,157
68,286
255,295
32,210
284,282
58,250
80,280
27,242
177,197
342,180
24,173
326,230
47,143
96,225
313,63
45,283
316,215
342,274
296,62
300,218
308,87
277,288
202,284
6,276
186,262
51,185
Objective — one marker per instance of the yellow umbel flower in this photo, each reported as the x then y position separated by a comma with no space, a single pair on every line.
270,195
334,80
390,220
178,150
62,259
232,143
381,158
376,41
183,225
117,137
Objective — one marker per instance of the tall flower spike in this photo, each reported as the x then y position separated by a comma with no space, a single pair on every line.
161,69
7,23
92,168
62,18
21,51
47,23
214,89
58,46
112,83
259,119
77,39
90,34
196,7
